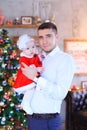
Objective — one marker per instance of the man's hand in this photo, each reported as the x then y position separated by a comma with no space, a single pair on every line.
29,71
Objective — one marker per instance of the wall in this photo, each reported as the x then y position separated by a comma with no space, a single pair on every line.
70,17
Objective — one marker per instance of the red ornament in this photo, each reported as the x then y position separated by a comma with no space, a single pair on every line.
12,119
0,110
4,105
18,123
1,51
12,56
7,75
6,97
9,21
1,40
74,87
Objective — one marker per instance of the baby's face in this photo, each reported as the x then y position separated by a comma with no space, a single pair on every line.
31,49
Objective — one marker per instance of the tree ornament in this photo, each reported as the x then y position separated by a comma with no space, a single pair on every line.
3,65
1,103
2,122
11,112
1,59
18,123
5,51
4,105
12,119
4,100
1,51
7,75
11,81
1,40
6,97
1,88
4,82
12,104
3,119
0,110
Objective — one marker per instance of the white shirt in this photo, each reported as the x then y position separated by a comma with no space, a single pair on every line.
53,85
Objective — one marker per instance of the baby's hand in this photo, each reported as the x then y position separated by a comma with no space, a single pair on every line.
32,65
40,69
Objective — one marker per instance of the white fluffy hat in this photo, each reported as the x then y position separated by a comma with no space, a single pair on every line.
24,41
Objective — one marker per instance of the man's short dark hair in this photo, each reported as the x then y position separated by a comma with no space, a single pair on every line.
48,25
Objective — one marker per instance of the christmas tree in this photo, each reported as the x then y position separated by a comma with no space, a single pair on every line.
11,113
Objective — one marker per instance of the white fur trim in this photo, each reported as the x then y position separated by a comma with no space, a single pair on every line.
24,88
24,41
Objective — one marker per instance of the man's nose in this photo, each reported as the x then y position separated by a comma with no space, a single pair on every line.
45,40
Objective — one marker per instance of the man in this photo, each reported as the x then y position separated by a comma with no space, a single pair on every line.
52,86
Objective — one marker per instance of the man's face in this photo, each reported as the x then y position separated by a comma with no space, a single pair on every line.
47,39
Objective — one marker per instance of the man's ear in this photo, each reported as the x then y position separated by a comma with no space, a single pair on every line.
57,36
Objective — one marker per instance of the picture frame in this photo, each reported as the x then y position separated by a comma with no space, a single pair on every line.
84,84
77,48
26,20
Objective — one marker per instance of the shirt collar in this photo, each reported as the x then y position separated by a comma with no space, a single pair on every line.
53,52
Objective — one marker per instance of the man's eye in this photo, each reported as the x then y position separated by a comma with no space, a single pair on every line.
40,37
49,35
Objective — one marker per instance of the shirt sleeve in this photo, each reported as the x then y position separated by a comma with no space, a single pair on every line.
59,89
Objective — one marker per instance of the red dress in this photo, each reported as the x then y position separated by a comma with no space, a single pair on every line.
22,80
